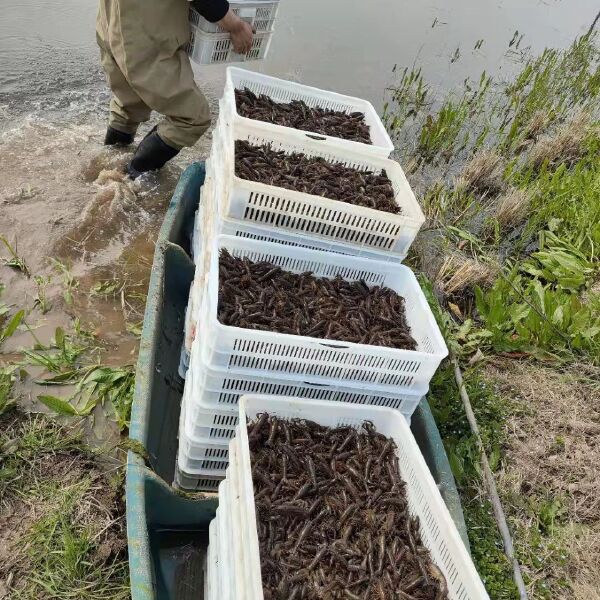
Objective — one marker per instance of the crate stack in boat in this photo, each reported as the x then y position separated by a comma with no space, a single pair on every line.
210,44
308,233
233,567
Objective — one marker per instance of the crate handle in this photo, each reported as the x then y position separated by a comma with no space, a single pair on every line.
334,346
319,138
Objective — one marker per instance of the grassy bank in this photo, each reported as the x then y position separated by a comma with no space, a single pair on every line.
509,174
62,515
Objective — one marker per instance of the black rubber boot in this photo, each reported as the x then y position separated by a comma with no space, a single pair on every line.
114,137
150,155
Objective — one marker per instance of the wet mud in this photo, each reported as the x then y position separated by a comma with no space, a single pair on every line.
86,234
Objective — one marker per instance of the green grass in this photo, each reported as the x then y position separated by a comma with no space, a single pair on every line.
491,412
62,357
567,198
41,300
538,519
8,325
61,554
543,302
70,283
96,385
7,379
14,261
71,545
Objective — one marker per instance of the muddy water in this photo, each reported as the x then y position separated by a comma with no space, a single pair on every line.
61,195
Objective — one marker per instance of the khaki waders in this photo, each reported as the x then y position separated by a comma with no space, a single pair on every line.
142,48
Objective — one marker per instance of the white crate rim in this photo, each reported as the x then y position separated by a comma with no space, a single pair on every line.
384,146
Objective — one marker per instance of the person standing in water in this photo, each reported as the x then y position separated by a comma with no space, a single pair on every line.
143,52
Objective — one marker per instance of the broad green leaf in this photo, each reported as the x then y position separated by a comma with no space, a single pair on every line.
591,332
494,458
58,405
457,465
59,337
532,270
557,317
89,407
61,379
538,290
518,312
12,325
464,329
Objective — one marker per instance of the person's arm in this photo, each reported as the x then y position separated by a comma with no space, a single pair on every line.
218,11
212,10
240,32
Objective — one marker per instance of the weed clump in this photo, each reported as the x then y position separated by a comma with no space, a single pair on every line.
566,146
512,208
483,174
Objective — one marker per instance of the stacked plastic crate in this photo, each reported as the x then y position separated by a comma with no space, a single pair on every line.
298,232
233,567
210,44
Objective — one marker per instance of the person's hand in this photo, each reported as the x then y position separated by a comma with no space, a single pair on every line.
240,32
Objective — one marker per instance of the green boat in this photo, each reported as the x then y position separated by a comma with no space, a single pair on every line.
167,531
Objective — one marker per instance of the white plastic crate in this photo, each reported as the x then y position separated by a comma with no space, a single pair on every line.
232,568
214,388
202,466
184,362
209,411
193,483
211,48
204,437
438,531
251,230
211,586
355,228
244,494
238,519
196,241
205,449
260,15
191,312
214,426
202,236
302,358
225,545
204,473
281,90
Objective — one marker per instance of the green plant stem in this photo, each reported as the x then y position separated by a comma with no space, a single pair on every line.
490,482
35,337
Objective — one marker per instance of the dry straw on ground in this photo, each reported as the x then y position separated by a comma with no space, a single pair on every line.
512,208
483,174
459,272
554,455
564,146
536,125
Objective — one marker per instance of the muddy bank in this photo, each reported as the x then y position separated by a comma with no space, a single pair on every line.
85,233
62,515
